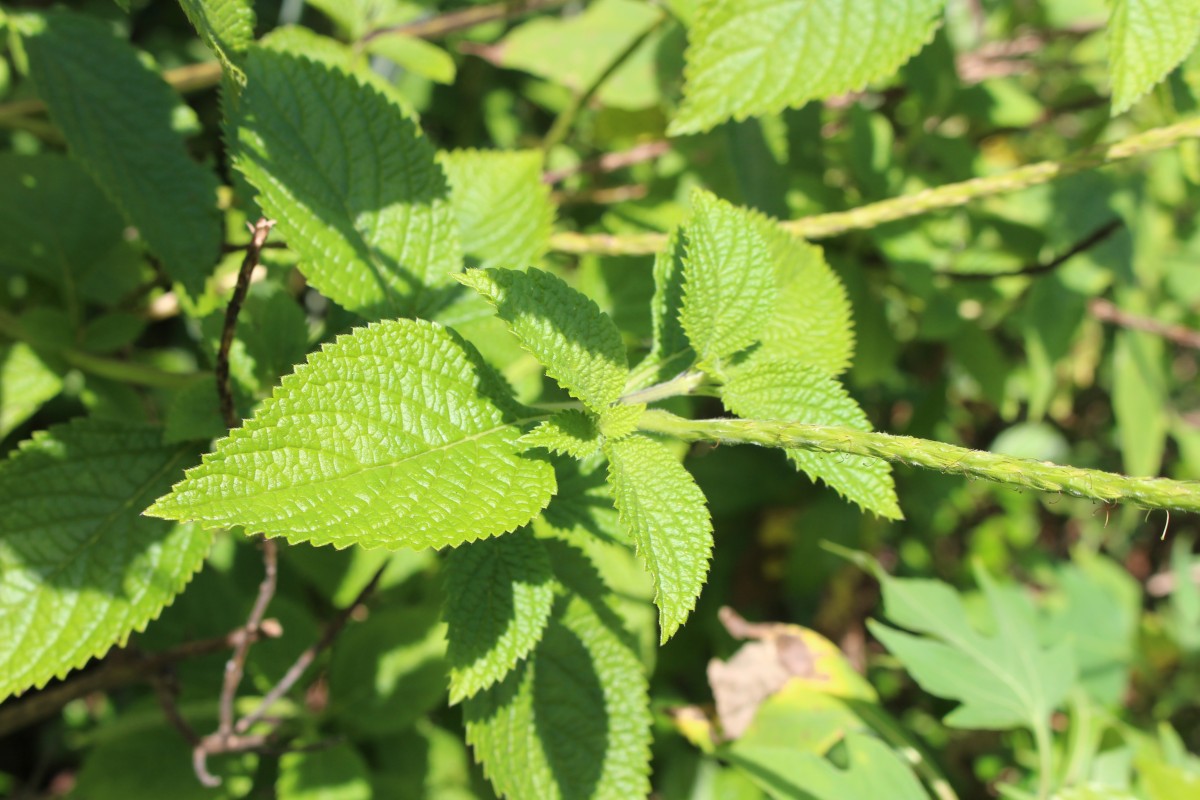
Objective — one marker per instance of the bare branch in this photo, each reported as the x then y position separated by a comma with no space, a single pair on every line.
1107,311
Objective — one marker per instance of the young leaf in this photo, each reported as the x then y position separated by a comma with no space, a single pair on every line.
25,384
391,437
670,352
728,279
94,84
617,422
569,433
82,570
1147,39
753,57
499,593
226,26
352,182
664,512
503,207
765,388
565,329
1003,680
572,721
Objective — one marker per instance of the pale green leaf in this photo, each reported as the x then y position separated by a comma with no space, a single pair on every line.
1139,400
499,593
753,57
226,26
82,569
670,352
391,437
503,207
25,384
617,422
95,85
775,389
355,18
1003,679
352,182
1147,39
572,721
323,773
569,433
415,55
665,515
728,279
579,345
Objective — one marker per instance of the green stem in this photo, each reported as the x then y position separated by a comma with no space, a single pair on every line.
948,196
683,383
1041,736
1022,472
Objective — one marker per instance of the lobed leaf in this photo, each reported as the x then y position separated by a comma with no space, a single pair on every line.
394,436
226,26
752,57
1147,39
352,182
665,515
82,570
565,330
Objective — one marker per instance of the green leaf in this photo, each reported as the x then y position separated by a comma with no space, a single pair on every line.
665,515
226,26
617,422
82,570
25,384
415,55
569,433
728,279
503,207
1139,397
352,182
324,773
391,437
94,85
765,388
754,57
1003,680
579,345
1147,39
670,352
572,721
499,594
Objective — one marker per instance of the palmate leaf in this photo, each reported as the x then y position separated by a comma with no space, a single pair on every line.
665,515
499,594
778,389
81,569
394,436
226,26
752,57
351,180
1147,39
579,345
94,84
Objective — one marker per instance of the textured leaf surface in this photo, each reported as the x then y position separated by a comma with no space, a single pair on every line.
226,26
25,383
499,594
1003,680
784,390
572,721
95,85
664,512
569,433
391,437
728,279
503,207
324,773
1147,39
752,57
82,569
670,353
352,182
579,345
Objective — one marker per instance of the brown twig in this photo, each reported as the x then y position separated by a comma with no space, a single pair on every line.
1083,245
1107,311
259,232
601,195
446,24
610,162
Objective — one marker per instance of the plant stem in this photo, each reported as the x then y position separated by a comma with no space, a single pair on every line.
683,383
951,195
1021,472
444,24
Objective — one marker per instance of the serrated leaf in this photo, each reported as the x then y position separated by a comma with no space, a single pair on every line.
664,513
226,26
617,422
753,57
414,55
1147,39
775,389
352,182
25,384
499,594
728,279
393,436
572,721
94,84
82,570
579,345
324,773
670,353
569,433
1003,680
504,209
